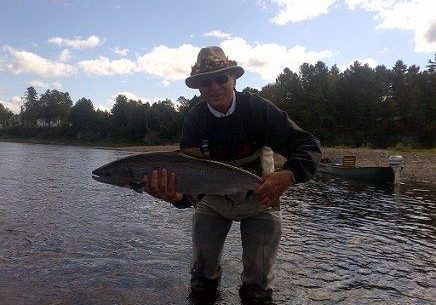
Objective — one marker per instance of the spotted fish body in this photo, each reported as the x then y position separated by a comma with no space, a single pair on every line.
193,175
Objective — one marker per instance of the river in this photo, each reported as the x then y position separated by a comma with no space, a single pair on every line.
67,239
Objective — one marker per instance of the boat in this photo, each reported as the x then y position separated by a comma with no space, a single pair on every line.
370,174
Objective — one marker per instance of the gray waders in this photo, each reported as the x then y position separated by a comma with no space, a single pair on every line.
260,234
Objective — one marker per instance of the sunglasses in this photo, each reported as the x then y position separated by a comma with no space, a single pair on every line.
220,80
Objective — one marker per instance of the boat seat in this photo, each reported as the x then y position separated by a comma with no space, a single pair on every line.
349,161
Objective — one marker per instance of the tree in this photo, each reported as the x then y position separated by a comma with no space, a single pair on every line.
130,119
164,125
432,65
32,110
56,107
357,104
82,115
5,115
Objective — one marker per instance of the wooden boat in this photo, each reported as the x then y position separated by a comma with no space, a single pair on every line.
369,174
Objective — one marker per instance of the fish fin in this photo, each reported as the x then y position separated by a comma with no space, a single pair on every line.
193,152
276,205
137,187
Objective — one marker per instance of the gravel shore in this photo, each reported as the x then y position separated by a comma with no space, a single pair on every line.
418,166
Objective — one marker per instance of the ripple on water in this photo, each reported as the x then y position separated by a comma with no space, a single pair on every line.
66,239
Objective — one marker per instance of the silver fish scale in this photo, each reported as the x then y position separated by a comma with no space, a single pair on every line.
193,176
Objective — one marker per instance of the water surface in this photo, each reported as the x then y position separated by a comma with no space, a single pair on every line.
67,239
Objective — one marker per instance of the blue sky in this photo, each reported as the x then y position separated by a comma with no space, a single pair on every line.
145,49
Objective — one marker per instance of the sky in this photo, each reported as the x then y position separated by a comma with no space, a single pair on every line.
98,49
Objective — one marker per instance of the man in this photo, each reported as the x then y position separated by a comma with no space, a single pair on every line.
227,126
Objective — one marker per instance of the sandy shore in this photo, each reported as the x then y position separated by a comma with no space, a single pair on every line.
418,166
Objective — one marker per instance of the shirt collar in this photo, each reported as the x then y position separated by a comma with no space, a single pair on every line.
229,112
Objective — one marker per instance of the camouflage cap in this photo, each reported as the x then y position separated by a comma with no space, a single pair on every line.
211,61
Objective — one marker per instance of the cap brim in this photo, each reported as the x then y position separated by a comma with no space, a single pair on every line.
194,81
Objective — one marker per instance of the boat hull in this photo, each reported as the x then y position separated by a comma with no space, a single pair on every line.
375,175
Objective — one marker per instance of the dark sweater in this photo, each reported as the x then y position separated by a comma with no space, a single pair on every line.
256,122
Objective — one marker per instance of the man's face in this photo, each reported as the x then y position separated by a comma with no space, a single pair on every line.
218,91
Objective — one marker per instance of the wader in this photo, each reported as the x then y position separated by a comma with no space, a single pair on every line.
260,234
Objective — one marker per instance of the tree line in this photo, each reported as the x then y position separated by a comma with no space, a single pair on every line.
375,107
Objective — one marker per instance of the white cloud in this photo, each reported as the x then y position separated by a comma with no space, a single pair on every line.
121,52
14,104
218,34
262,4
65,55
56,85
45,85
38,84
135,97
299,10
371,62
168,63
105,66
415,15
27,62
110,101
269,60
431,33
77,43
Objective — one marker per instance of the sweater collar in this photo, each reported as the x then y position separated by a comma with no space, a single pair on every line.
229,112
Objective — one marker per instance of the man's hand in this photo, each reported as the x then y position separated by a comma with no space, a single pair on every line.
161,184
273,186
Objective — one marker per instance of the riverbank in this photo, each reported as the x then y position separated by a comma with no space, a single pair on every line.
418,166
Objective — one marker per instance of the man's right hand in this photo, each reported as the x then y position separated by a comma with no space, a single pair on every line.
161,184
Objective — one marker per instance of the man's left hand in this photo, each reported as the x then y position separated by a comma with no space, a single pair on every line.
273,186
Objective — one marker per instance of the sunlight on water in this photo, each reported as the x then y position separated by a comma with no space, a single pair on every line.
66,239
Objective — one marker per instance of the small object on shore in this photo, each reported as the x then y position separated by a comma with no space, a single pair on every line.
370,174
194,176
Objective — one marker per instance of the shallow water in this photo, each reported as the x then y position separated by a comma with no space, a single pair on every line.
67,239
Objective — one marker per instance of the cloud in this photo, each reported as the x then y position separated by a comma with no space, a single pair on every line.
371,62
431,33
110,101
262,4
45,85
218,34
270,59
77,43
20,62
105,66
298,10
122,52
38,84
65,55
416,15
14,104
168,63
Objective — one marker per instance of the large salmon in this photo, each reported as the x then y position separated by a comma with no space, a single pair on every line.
193,175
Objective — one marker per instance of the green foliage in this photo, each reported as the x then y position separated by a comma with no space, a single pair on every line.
361,106
5,115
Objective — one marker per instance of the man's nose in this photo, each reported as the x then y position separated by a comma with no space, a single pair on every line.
214,84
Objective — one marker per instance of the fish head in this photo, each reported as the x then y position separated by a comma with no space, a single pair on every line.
114,174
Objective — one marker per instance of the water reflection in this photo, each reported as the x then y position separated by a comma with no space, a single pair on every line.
66,239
